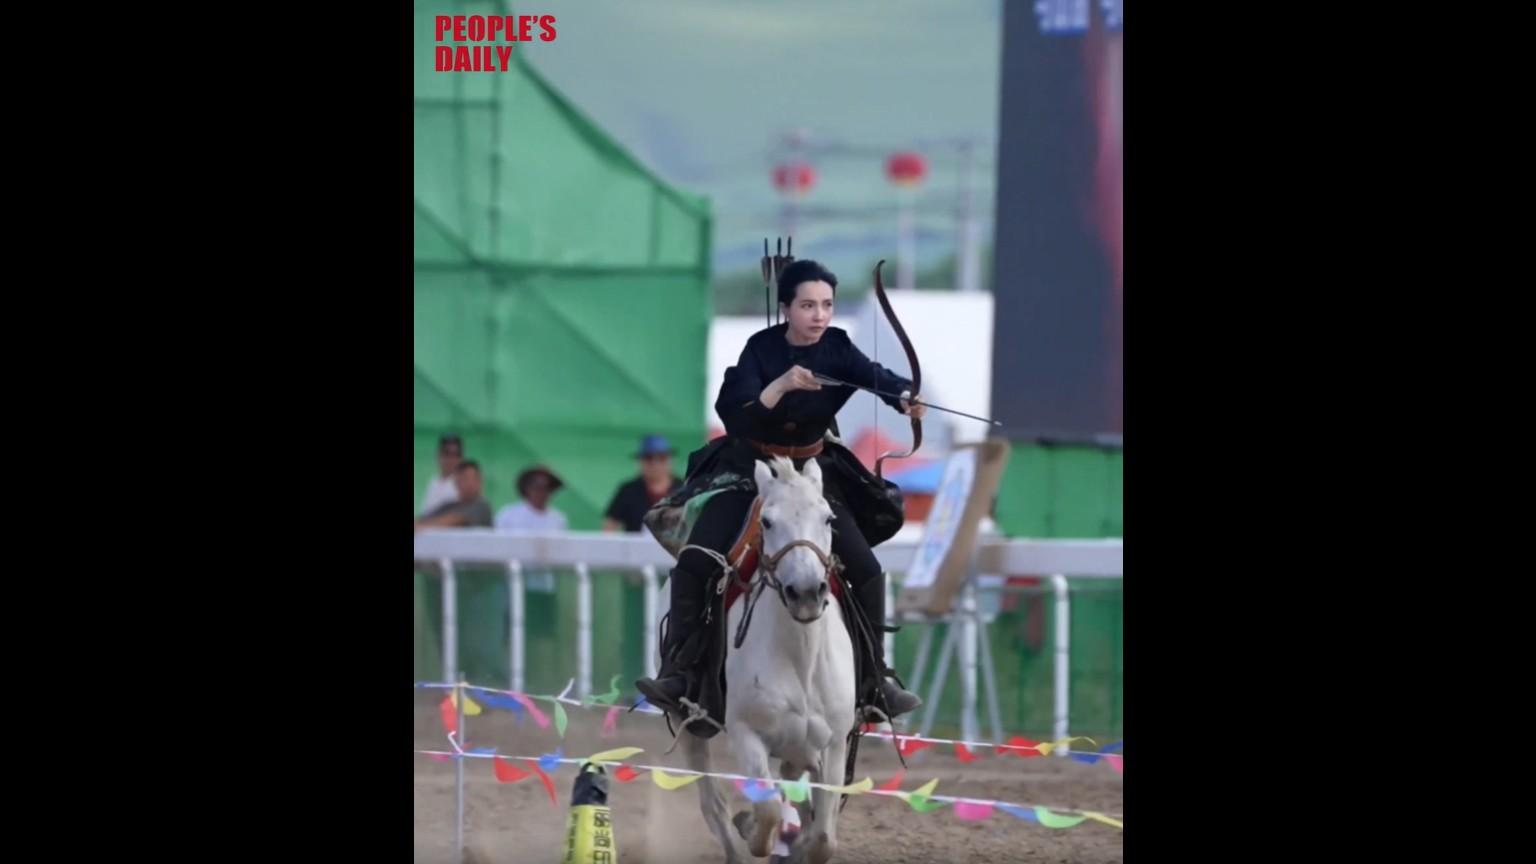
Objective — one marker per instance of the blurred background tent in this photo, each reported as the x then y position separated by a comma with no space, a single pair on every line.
561,304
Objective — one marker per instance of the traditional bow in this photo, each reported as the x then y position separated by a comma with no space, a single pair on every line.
917,372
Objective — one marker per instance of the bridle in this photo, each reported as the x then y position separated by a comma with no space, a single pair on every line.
767,575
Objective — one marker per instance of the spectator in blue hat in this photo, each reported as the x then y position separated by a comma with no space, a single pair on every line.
656,481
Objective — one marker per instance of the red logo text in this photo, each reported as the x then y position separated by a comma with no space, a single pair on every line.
484,43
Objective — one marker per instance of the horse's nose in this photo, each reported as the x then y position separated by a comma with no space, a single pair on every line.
821,590
791,593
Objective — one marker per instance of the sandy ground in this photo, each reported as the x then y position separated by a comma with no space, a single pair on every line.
517,822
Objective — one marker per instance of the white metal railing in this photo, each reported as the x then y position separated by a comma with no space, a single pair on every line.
584,550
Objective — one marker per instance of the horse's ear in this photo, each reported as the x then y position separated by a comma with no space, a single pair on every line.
762,474
812,472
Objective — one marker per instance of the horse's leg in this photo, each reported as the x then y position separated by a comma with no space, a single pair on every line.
790,771
762,829
819,841
710,801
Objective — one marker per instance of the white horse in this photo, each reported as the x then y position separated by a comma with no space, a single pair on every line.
790,686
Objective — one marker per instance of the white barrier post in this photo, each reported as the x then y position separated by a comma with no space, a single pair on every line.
450,587
648,581
1063,671
970,635
518,641
989,675
458,770
583,631
890,618
1083,558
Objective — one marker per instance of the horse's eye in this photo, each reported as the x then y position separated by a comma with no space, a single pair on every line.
767,525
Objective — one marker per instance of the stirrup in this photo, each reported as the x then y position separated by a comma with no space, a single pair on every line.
695,713
894,710
664,702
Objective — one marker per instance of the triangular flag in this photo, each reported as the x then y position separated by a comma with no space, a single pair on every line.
1047,747
670,782
551,761
1057,820
549,784
964,754
610,697
625,774
858,788
1025,813
912,745
496,700
450,715
892,784
918,799
1116,761
560,719
471,708
1113,748
921,804
611,722
1100,817
1019,746
506,772
973,811
798,790
533,710
618,755
757,790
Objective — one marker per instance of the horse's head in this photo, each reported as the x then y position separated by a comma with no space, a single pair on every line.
797,535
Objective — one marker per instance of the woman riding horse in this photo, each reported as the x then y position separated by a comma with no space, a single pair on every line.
772,405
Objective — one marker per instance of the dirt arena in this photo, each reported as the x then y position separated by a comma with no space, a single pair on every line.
517,822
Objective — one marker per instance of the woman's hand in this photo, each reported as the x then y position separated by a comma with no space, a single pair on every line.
911,407
797,378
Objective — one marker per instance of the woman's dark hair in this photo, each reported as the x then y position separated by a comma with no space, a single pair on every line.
804,270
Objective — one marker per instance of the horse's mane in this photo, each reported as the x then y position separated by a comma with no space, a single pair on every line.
784,469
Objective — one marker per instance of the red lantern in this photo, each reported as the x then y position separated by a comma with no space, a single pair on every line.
794,178
906,169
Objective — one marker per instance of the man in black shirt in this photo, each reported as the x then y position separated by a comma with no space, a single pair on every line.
656,481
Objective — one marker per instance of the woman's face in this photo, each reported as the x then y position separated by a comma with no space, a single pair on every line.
811,313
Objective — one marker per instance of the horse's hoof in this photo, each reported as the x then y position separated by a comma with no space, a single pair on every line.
821,849
765,829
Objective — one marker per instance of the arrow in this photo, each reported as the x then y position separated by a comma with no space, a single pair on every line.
826,379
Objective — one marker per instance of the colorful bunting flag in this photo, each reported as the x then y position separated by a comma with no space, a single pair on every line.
670,782
973,811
